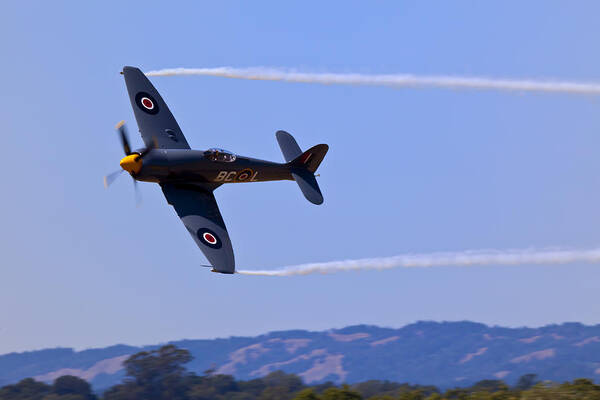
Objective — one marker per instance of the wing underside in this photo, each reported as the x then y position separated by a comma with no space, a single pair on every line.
153,117
200,214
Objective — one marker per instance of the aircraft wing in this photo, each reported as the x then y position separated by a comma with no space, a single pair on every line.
200,214
153,117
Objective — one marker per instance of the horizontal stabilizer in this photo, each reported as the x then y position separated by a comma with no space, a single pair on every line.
289,146
308,185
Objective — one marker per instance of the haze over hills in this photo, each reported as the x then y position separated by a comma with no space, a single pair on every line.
445,354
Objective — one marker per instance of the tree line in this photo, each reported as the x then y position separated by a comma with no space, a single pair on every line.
161,375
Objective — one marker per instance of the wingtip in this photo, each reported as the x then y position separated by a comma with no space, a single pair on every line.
120,124
282,133
129,69
105,181
223,272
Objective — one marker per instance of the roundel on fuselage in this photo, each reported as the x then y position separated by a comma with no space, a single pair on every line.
244,175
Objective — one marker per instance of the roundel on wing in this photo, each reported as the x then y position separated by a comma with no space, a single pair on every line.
244,175
146,103
209,238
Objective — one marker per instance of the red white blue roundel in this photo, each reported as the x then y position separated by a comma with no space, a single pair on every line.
244,175
146,103
209,238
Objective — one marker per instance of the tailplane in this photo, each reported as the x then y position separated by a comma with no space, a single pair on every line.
303,165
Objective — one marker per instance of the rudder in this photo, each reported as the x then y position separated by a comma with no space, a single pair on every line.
311,158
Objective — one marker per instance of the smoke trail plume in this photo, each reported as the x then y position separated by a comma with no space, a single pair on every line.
456,259
392,80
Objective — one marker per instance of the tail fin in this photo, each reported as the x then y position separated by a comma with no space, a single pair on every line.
303,165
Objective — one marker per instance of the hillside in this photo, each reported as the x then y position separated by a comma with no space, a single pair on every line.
445,354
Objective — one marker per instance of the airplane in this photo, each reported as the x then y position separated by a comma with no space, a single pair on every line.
188,177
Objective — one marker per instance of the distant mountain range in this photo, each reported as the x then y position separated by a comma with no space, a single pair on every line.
445,354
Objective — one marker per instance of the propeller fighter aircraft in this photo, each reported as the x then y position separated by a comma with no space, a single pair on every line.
188,177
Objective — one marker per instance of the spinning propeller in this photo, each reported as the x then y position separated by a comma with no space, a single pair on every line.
132,162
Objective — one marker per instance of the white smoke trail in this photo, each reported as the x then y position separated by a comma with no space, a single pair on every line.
393,80
454,259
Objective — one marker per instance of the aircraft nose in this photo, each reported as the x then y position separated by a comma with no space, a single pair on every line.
131,163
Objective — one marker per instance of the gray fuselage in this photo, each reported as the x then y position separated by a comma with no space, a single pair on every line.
181,165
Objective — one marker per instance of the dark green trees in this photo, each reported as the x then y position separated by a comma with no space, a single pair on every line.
64,388
154,375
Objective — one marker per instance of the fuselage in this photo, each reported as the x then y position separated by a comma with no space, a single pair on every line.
182,165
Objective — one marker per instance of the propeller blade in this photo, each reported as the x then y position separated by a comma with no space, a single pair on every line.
110,178
124,139
137,193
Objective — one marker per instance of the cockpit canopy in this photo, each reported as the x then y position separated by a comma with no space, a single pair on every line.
220,155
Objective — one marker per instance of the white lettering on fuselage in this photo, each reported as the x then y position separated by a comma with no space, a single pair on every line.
221,176
232,176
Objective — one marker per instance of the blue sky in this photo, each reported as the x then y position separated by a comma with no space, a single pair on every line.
411,170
